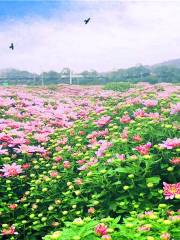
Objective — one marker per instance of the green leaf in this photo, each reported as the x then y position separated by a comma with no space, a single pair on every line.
154,180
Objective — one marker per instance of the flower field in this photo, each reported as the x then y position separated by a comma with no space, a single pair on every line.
83,163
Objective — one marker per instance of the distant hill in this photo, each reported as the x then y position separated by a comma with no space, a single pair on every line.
14,76
173,62
11,73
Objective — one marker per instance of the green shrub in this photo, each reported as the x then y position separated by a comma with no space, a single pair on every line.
146,226
118,86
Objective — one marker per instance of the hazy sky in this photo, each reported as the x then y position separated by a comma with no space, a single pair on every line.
50,35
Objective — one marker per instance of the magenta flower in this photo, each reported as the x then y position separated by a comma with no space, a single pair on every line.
171,190
101,230
11,170
143,149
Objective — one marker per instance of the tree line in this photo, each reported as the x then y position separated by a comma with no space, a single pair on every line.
155,74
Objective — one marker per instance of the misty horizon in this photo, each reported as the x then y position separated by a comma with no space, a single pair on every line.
111,70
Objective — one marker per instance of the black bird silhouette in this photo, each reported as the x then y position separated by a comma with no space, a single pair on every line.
87,20
11,46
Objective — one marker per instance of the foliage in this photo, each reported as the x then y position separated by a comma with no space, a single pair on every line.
144,226
63,157
119,86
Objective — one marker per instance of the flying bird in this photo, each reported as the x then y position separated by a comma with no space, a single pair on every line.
11,46
87,20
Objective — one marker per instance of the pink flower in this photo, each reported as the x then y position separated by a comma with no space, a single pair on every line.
175,109
83,167
18,141
143,149
3,151
41,137
91,210
171,190
81,132
54,174
99,109
175,218
153,115
125,133
58,159
30,149
139,113
5,138
58,148
150,103
101,230
144,228
9,231
80,162
66,164
175,160
13,206
165,236
121,157
106,237
11,170
137,138
103,121
79,181
63,141
104,145
171,143
93,142
93,162
149,213
125,119
25,166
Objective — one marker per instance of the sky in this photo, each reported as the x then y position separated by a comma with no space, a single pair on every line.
51,35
